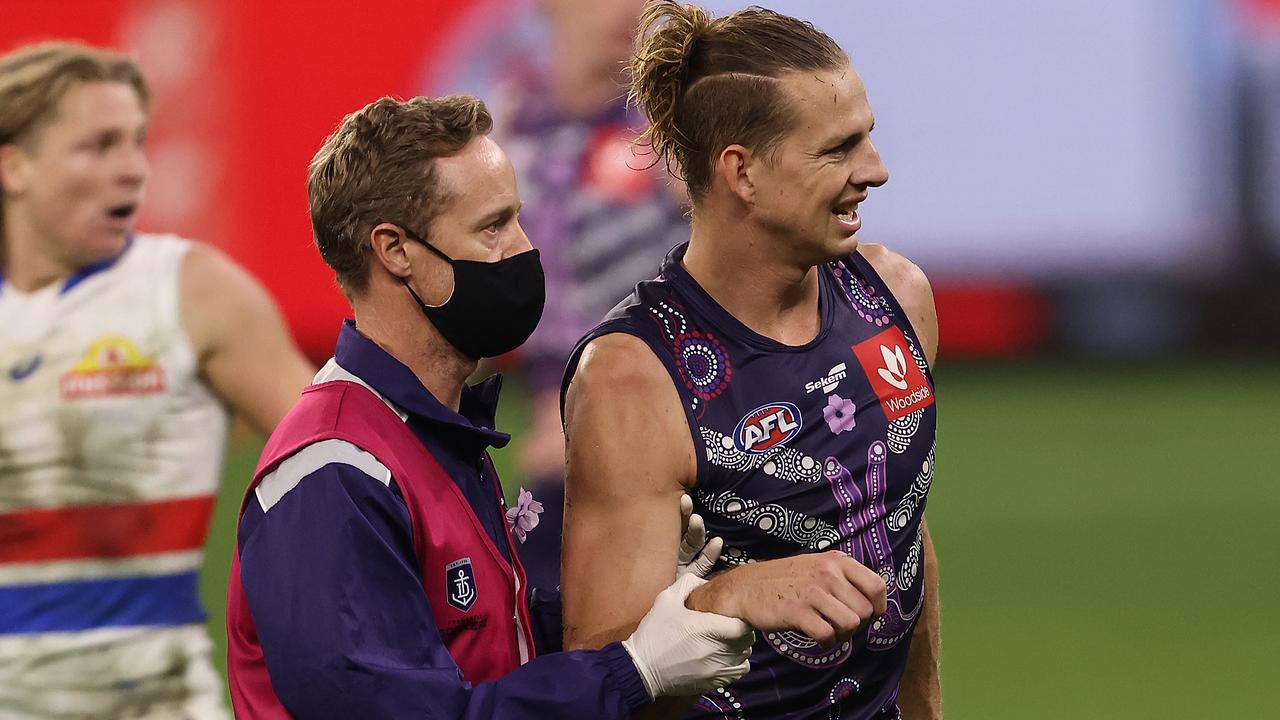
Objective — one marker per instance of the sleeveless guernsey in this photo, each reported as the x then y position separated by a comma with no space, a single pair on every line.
829,445
110,454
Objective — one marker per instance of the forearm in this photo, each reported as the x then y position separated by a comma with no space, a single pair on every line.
920,694
586,683
581,684
665,708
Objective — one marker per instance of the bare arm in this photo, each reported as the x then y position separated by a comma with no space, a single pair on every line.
629,460
244,350
920,694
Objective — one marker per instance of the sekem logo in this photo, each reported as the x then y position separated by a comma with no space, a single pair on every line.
828,383
767,427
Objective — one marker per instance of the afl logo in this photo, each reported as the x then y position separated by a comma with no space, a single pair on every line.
767,427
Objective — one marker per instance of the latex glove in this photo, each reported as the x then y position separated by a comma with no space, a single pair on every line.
696,554
679,651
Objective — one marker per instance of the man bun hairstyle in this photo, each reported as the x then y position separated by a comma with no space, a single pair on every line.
706,83
379,166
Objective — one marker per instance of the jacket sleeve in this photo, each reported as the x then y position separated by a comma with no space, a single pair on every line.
333,585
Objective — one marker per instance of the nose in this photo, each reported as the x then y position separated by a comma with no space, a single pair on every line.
519,243
134,166
870,172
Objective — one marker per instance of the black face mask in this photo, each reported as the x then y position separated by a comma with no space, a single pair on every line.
494,306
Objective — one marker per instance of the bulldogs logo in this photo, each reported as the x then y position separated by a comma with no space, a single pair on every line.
767,427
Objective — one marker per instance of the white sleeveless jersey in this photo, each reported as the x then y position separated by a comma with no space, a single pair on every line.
110,454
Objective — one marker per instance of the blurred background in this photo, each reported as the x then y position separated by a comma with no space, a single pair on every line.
1093,187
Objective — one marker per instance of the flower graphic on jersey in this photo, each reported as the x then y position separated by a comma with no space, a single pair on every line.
524,516
839,414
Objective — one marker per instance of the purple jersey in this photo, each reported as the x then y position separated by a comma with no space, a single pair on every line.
804,449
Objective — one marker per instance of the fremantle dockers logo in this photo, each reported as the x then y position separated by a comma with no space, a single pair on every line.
460,584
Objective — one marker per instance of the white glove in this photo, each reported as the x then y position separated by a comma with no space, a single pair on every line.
679,651
696,555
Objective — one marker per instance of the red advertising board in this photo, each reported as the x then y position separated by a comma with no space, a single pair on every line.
245,92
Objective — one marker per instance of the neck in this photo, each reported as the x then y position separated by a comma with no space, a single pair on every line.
749,274
408,336
24,265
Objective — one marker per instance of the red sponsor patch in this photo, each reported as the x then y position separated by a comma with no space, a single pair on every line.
897,380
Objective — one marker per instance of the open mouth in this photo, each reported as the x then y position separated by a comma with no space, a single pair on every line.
847,214
123,212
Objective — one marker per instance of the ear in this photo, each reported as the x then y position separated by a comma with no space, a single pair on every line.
13,169
389,244
734,168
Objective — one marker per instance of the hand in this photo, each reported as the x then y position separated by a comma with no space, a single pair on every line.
696,555
679,651
826,596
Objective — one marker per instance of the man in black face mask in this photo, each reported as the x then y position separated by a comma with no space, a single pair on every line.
375,573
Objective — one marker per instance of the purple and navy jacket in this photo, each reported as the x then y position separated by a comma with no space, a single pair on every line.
829,445
374,574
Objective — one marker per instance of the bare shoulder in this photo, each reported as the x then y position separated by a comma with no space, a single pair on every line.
244,348
911,287
623,365
905,279
208,273
622,390
217,295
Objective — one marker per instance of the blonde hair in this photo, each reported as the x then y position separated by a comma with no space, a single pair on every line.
378,166
706,83
34,78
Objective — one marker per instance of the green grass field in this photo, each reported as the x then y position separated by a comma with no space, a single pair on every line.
1108,539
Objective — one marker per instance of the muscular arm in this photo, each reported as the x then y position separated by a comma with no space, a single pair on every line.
920,694
241,343
629,459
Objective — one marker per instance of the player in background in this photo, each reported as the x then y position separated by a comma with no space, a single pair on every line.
602,219
783,367
122,354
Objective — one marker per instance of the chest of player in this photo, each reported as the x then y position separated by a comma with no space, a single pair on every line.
100,395
792,442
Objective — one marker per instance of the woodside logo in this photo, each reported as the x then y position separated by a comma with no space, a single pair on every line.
898,382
